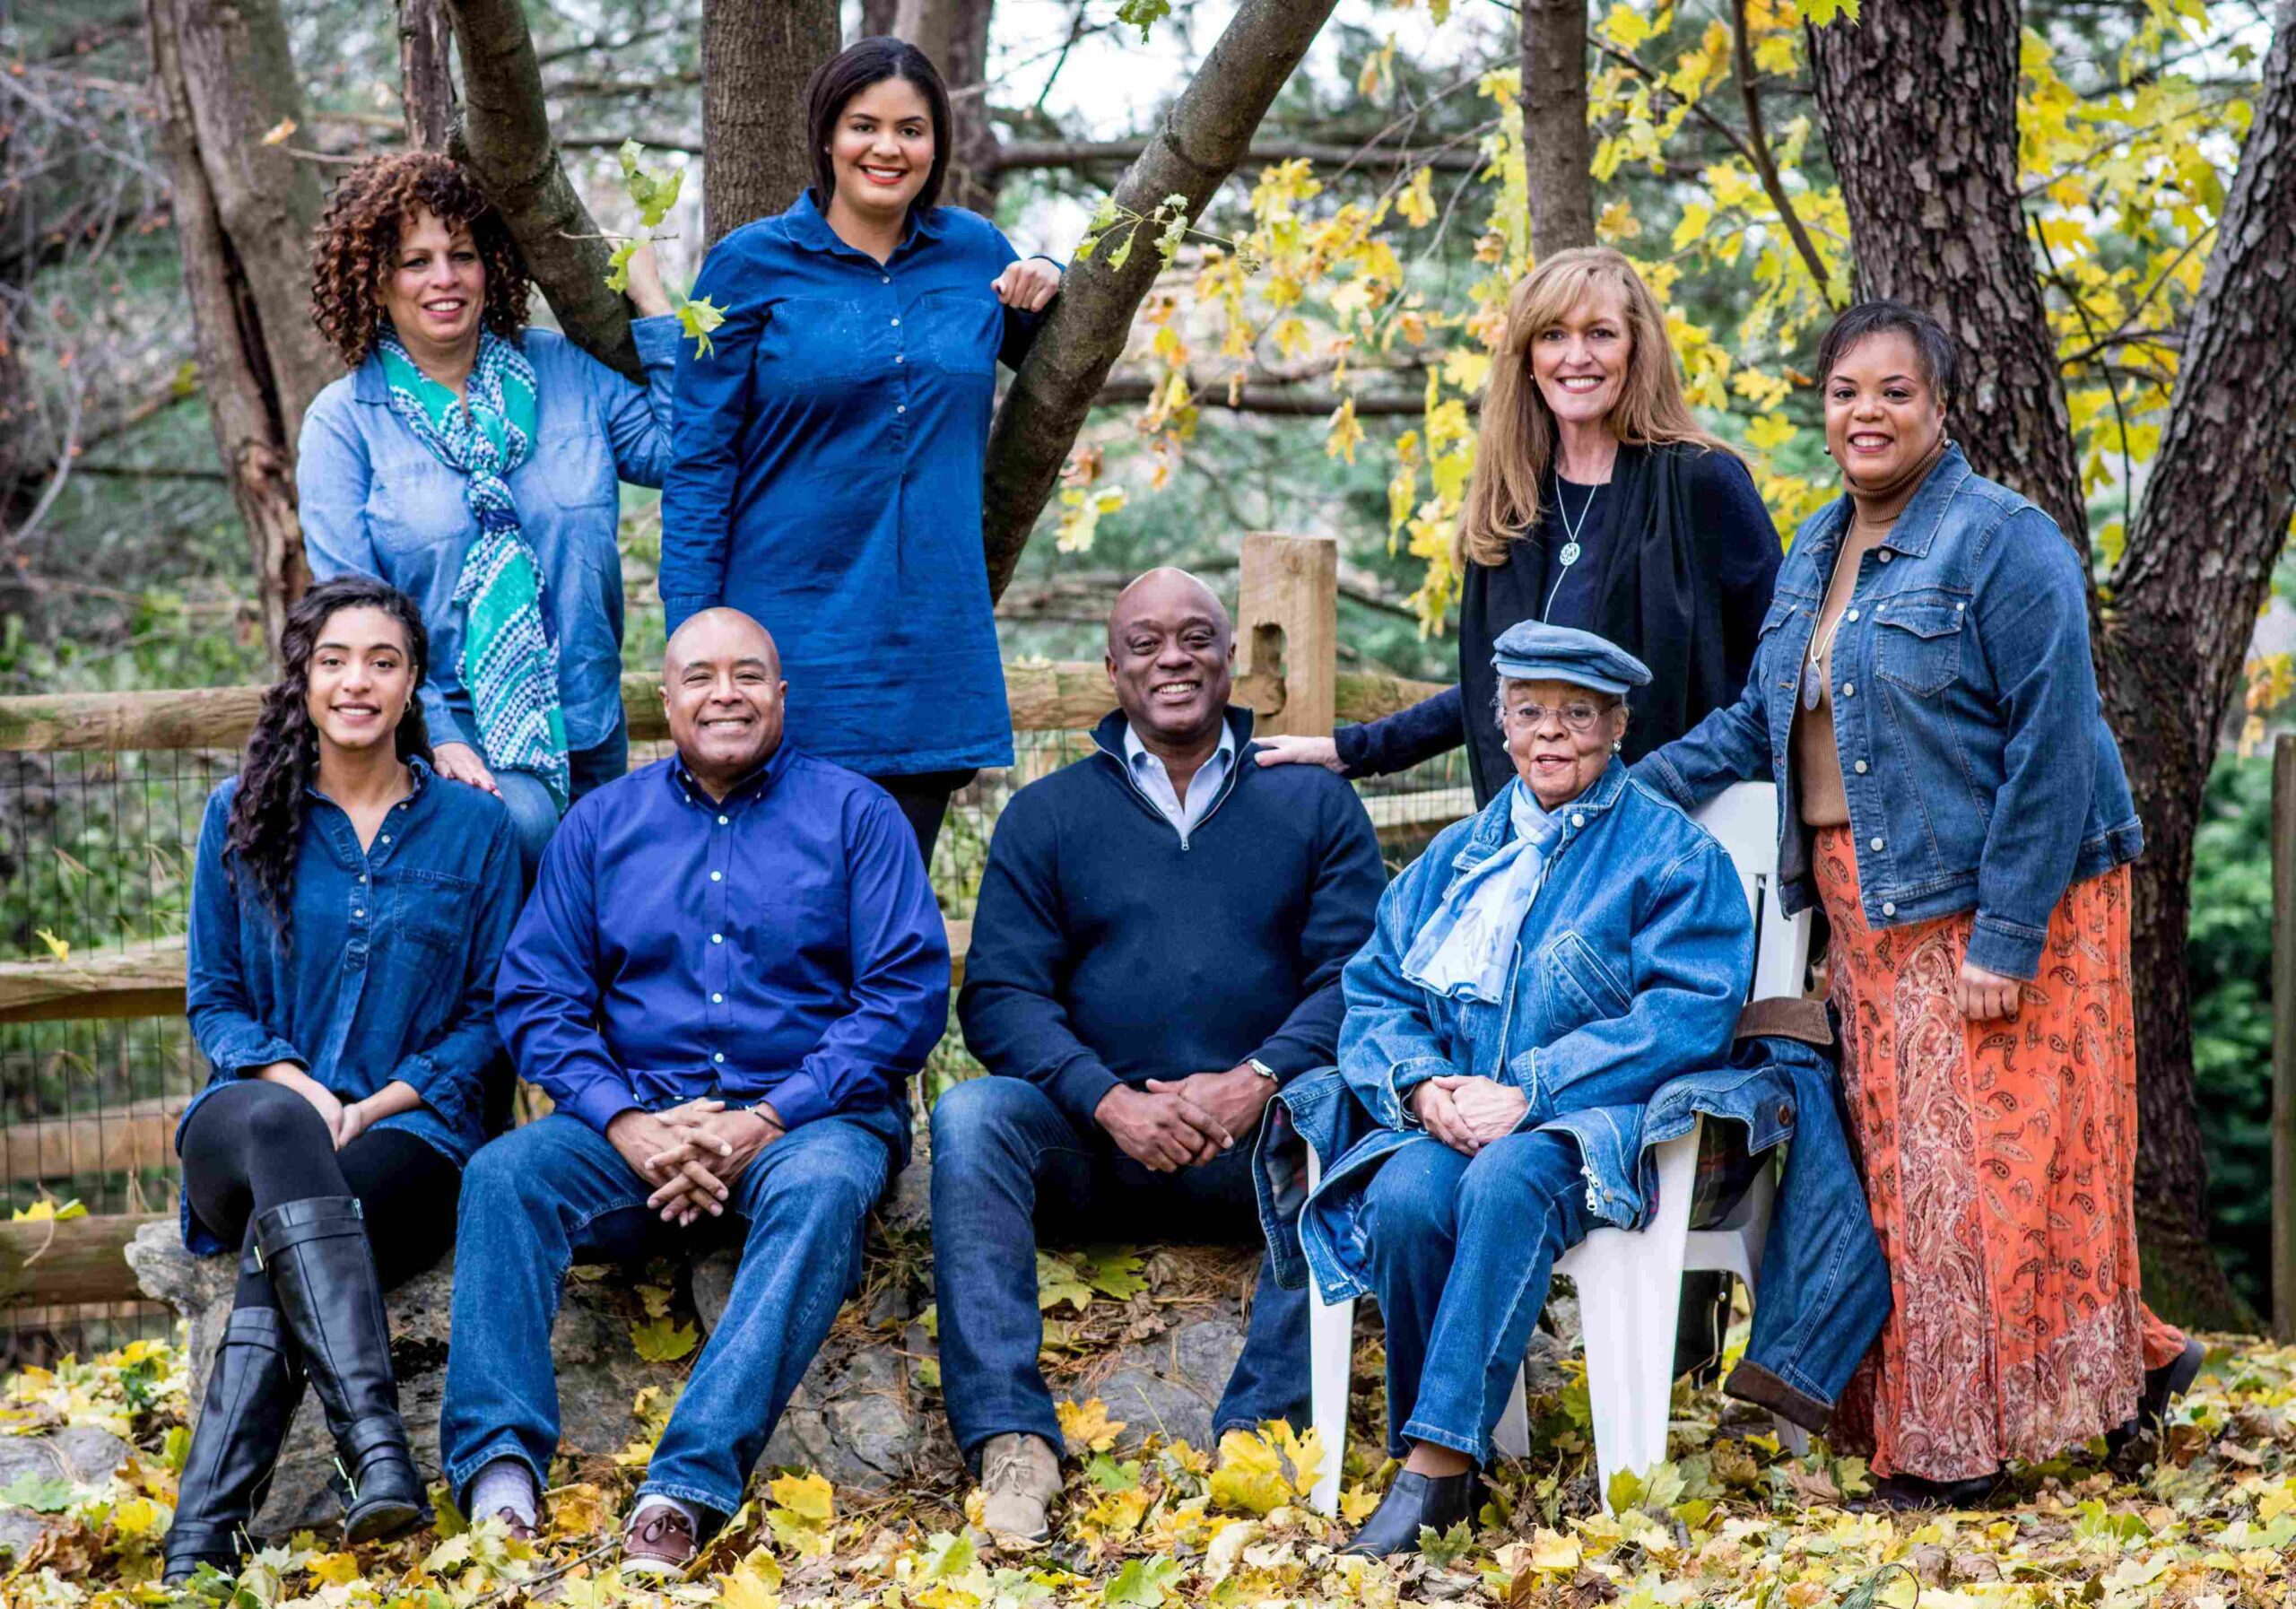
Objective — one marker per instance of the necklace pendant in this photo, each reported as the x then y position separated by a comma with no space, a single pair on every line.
1814,687
1569,554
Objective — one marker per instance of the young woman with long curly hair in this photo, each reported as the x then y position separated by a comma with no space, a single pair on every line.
472,462
347,912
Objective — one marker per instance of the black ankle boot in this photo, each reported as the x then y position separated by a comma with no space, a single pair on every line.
2162,1387
252,1388
317,1254
1413,1501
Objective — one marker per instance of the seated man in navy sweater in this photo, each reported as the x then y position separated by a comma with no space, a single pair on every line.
1156,950
729,968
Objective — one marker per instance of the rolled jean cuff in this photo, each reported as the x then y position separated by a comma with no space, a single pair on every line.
463,1472
1752,1383
710,1507
1419,1429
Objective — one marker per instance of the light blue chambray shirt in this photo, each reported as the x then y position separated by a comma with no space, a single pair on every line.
1148,773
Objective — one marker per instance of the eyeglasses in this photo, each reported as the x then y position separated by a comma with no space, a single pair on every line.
1577,716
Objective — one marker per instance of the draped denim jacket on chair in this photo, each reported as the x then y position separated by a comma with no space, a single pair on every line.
1979,772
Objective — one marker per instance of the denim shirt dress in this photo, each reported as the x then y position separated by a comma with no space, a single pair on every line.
385,971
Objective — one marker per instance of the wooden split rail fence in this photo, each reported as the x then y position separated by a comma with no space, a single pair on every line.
1287,640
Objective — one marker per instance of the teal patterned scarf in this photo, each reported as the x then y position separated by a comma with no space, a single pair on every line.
510,660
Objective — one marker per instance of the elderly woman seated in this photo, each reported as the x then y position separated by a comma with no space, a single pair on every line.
1535,979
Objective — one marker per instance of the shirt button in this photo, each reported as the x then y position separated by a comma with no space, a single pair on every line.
1875,842
1888,908
896,324
1850,690
358,912
717,877
721,821
362,876
1859,768
716,938
718,1057
1851,615
901,408
387,838
901,357
716,999
884,279
1885,555
1577,821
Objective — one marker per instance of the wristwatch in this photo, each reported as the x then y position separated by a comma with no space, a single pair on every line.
1262,1068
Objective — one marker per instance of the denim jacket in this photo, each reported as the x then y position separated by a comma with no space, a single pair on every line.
375,502
1978,769
385,971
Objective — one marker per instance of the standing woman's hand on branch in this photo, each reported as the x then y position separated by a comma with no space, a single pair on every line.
646,292
1299,751
1027,285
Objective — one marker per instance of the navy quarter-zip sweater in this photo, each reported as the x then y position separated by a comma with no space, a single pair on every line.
1106,950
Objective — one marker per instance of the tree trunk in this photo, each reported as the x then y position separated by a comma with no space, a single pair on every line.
1921,121
1208,130
244,212
877,18
426,85
1920,107
974,170
506,140
756,56
2197,570
1557,152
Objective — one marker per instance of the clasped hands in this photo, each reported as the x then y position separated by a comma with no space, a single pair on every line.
1468,1113
692,1153
1170,1124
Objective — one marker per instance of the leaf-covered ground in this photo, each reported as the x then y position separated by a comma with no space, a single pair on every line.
2206,1519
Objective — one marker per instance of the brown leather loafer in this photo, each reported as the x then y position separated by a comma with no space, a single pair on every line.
659,1543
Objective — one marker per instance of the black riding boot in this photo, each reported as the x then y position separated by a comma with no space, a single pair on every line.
252,1388
317,1254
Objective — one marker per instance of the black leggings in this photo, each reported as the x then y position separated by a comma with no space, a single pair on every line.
252,1146
924,800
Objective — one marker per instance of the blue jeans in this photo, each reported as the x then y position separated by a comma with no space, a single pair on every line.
555,1193
1461,1252
534,813
1008,1165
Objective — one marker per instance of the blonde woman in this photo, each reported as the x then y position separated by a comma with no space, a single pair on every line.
1598,503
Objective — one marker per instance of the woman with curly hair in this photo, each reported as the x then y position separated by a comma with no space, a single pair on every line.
472,462
347,912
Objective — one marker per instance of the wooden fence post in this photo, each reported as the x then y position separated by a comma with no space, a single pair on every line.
2283,1038
1287,626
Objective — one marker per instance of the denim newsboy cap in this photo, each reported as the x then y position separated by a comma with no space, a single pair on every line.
1535,651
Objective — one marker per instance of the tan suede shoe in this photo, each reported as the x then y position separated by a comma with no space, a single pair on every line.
1020,1476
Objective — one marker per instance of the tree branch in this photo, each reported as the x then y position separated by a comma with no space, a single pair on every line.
1084,153
1207,132
1758,143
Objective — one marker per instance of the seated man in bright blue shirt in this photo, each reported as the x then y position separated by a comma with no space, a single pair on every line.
730,966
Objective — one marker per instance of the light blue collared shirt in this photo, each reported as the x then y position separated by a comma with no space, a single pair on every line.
1149,774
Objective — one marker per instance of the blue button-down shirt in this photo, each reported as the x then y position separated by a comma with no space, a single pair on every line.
384,971
780,945
827,480
1150,776
375,502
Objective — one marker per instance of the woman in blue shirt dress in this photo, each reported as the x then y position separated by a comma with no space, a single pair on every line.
347,912
826,477
473,463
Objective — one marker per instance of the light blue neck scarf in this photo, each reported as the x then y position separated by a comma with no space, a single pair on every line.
1468,948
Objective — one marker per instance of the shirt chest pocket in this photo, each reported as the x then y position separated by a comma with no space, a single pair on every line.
1918,642
811,344
415,504
430,918
962,330
1577,986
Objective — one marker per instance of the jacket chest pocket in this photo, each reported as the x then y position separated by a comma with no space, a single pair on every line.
1576,985
1918,643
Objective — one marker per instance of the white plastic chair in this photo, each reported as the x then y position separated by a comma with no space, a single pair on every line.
1628,1282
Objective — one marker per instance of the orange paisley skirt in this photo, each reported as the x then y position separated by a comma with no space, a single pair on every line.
1999,1164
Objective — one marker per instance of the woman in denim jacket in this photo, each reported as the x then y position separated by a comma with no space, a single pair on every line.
1923,697
347,912
473,463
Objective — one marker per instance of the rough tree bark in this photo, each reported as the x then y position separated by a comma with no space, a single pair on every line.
505,137
877,18
1920,116
756,56
1208,130
955,33
244,212
1920,103
426,83
1557,148
2197,570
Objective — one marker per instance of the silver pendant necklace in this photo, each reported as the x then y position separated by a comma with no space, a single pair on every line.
1571,529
